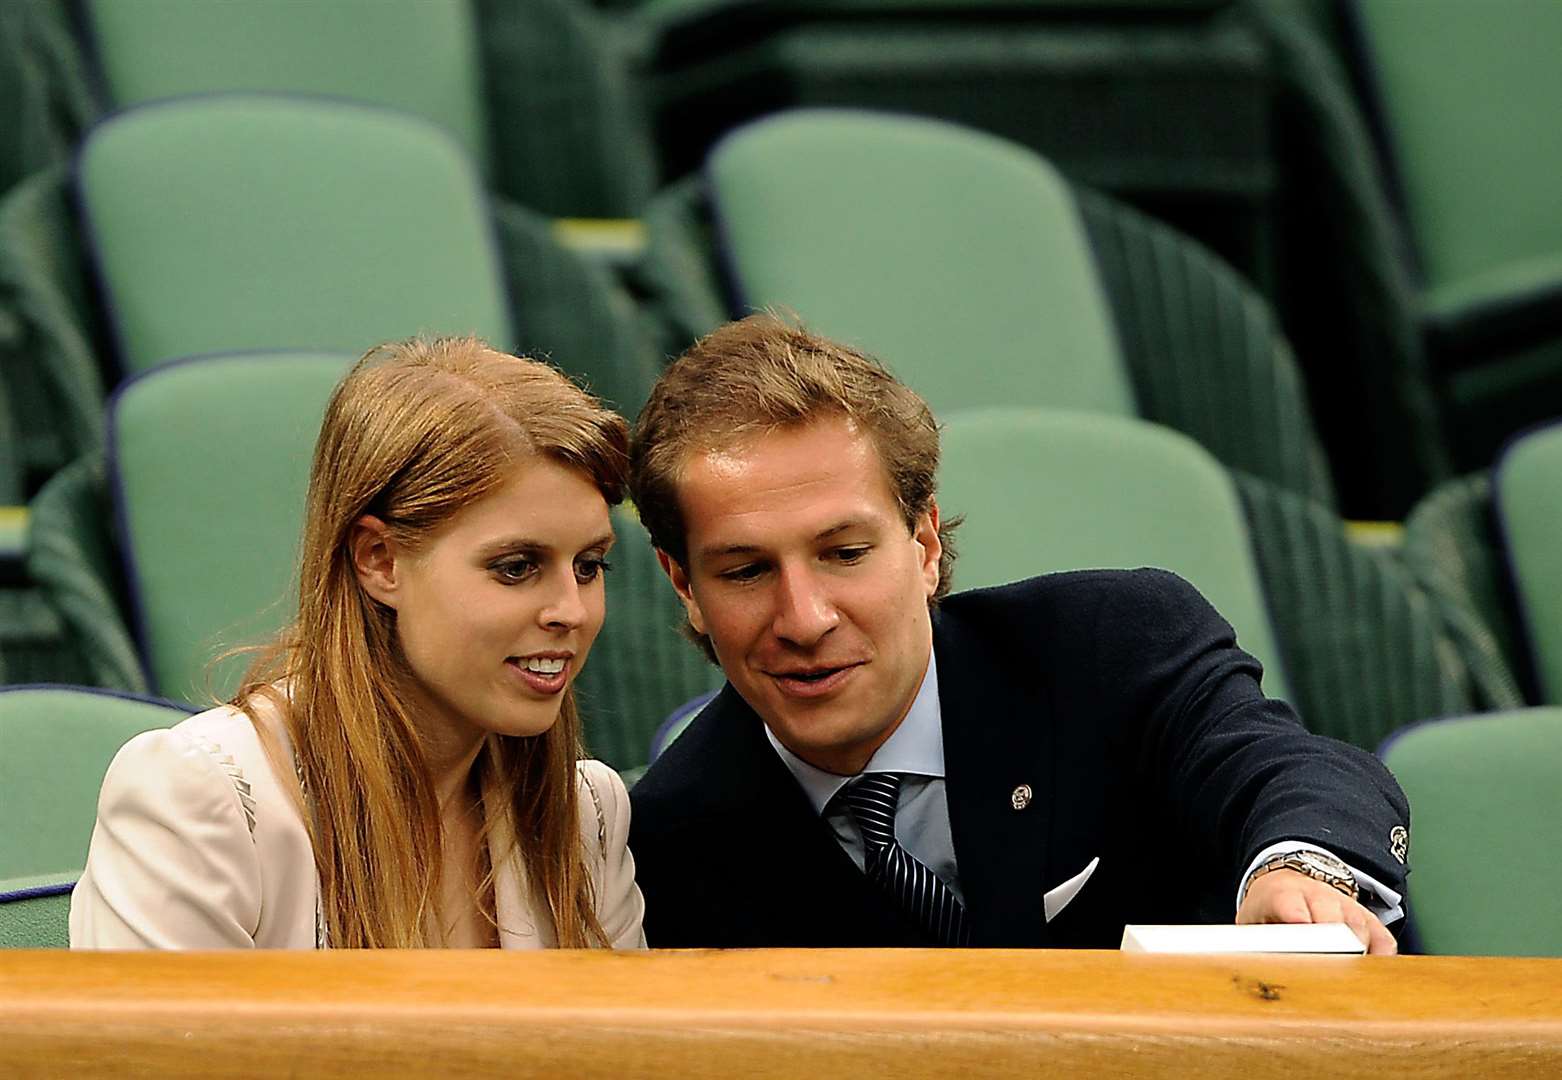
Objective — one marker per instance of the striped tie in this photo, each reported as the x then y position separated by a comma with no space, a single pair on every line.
916,889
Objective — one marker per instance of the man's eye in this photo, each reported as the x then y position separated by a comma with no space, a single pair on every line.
851,555
589,570
746,572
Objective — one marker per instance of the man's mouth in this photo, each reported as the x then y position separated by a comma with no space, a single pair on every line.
814,681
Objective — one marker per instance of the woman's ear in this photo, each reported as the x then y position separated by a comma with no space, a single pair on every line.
374,558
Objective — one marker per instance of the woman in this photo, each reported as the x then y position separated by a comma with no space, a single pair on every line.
401,768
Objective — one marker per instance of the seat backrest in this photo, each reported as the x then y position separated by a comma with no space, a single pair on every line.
1043,491
1528,484
1466,96
55,745
243,222
641,667
35,911
209,463
417,56
1485,791
957,257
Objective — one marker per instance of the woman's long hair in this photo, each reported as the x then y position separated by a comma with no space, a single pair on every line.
415,432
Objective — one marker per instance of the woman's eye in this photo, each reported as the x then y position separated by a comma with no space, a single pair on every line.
588,570
514,569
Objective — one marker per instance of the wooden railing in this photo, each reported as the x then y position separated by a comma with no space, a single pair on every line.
811,1014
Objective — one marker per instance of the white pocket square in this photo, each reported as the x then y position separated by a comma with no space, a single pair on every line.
1057,899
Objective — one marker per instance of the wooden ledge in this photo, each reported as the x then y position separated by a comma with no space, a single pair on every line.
901,1013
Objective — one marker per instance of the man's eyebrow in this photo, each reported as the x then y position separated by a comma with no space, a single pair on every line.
716,551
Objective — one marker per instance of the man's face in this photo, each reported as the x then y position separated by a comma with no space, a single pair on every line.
812,590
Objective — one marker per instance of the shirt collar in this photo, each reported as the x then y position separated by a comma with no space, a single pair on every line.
916,746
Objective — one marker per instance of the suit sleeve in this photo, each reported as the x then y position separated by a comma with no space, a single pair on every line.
1238,770
620,908
172,863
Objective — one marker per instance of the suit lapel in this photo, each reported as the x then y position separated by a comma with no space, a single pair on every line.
998,735
806,886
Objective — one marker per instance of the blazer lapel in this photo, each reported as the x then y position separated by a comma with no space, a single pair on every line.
998,776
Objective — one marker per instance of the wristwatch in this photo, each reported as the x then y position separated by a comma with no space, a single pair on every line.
1315,864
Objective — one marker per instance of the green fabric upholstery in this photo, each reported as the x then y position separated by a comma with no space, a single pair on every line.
45,87
1529,499
35,911
574,312
1453,547
1464,91
35,645
1484,790
55,745
209,466
1197,345
75,561
573,137
416,56
51,368
242,222
1043,491
641,667
1203,350
1348,299
933,246
1367,650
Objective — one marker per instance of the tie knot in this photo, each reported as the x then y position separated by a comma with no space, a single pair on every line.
871,800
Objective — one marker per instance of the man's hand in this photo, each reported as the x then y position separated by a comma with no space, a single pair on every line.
1285,896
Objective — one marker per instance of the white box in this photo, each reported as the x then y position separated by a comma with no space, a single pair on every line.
1253,938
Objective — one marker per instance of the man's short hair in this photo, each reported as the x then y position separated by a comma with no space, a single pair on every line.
763,373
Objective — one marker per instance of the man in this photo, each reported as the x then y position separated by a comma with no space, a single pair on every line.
1032,765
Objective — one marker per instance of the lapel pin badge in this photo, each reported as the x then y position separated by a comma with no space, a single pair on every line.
1399,842
1020,797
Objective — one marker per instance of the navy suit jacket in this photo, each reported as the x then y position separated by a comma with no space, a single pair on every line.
1119,697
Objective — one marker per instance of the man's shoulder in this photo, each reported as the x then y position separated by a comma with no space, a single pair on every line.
1070,594
706,768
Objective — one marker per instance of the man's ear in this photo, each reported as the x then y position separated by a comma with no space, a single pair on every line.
680,579
373,553
926,534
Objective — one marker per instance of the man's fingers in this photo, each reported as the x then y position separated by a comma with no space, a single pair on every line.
1289,907
1380,942
1327,905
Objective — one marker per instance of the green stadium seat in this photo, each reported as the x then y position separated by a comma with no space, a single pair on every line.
1486,545
1453,84
1368,649
1454,547
641,666
1425,256
957,255
1483,791
982,277
208,465
1043,491
56,743
245,222
539,93
1528,484
416,56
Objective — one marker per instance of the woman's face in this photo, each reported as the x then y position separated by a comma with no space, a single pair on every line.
497,611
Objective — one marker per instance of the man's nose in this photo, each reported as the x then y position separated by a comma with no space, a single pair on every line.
566,607
804,611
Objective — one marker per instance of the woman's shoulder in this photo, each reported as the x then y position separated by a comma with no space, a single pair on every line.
604,804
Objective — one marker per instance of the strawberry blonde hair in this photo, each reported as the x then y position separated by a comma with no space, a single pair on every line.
415,432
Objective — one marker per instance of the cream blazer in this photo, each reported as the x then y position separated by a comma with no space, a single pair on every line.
200,845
